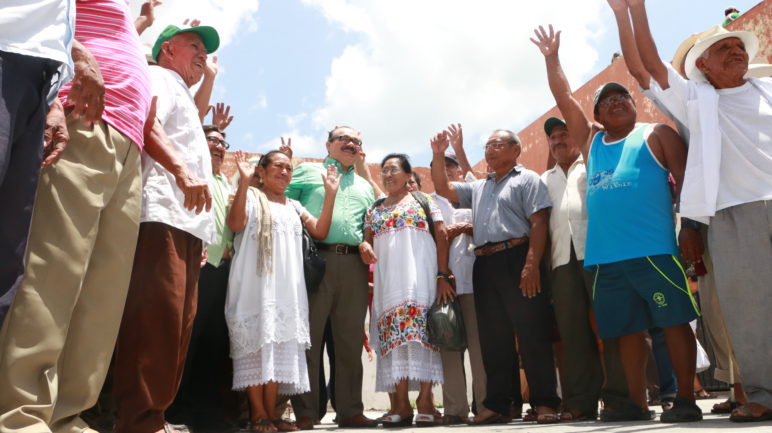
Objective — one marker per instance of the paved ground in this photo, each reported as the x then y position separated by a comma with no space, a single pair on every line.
710,423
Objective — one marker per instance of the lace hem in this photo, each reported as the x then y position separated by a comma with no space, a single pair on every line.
284,363
250,334
410,361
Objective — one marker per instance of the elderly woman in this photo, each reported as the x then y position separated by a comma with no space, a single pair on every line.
407,258
267,308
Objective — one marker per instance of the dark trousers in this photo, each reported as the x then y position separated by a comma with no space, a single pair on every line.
156,326
502,313
207,378
24,85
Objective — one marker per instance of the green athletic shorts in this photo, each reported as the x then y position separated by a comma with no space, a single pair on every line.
633,295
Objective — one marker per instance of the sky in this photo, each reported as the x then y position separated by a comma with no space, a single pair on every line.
400,71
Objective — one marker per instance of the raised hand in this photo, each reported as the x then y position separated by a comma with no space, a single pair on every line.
440,143
331,180
246,171
286,147
221,117
634,3
193,22
146,16
456,135
548,43
211,68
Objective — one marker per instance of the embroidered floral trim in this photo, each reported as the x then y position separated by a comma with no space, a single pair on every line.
403,324
403,215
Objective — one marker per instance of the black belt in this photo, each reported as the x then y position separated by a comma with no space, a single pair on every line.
341,249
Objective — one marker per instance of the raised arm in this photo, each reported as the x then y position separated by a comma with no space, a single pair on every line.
146,15
319,228
237,215
578,123
204,92
645,43
627,41
457,143
361,169
442,185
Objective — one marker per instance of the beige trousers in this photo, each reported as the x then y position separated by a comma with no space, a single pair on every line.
454,388
58,337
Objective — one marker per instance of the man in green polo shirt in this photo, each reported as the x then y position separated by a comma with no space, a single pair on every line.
342,297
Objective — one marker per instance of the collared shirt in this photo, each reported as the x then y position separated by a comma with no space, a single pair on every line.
460,257
354,197
40,28
162,200
568,216
106,28
501,210
221,191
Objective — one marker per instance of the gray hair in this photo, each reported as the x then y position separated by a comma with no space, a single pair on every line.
513,138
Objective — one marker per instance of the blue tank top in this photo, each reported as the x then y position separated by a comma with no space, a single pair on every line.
629,204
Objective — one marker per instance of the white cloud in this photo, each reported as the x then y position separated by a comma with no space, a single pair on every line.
229,18
417,66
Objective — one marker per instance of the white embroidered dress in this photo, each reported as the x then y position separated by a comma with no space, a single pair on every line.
267,315
405,287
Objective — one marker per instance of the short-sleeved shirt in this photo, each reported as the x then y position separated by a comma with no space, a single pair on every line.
568,217
354,197
221,191
40,28
460,258
501,210
162,200
107,29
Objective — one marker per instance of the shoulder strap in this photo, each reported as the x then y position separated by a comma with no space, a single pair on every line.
423,200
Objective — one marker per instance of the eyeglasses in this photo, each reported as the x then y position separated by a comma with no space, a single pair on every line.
496,144
607,102
214,140
347,139
388,171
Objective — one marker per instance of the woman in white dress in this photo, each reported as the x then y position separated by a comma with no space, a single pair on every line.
406,284
267,307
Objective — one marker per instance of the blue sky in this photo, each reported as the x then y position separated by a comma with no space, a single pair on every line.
401,70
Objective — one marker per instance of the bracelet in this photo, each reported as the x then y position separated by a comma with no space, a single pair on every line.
441,275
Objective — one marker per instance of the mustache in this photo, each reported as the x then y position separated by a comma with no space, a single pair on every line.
349,147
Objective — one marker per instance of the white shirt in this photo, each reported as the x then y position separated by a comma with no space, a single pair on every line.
731,134
568,216
40,28
461,255
162,200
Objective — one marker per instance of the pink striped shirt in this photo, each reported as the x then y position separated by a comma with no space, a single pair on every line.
105,27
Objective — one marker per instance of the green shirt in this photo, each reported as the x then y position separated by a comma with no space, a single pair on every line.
355,195
220,193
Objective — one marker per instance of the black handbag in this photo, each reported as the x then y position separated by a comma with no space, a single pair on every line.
445,325
314,264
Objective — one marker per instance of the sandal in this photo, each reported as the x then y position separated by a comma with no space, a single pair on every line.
701,394
424,420
261,425
724,407
547,418
530,415
496,418
625,410
396,420
573,415
744,413
285,424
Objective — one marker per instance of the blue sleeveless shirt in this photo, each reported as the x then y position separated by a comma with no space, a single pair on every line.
629,204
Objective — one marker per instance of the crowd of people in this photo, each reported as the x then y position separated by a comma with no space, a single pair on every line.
127,253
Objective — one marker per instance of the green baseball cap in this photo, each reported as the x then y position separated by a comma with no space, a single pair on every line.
207,34
551,123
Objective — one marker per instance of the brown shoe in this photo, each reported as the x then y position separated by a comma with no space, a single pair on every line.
305,423
358,421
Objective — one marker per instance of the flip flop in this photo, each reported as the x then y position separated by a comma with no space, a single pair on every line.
724,407
547,418
568,416
395,420
493,419
744,413
424,420
286,422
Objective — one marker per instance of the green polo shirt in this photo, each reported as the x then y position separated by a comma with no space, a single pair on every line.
354,196
220,193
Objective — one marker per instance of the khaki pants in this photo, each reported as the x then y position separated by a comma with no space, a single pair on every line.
342,297
59,335
454,388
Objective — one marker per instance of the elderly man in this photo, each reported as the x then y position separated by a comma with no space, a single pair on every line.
161,303
199,402
509,215
631,248
35,42
66,315
728,184
581,368
342,297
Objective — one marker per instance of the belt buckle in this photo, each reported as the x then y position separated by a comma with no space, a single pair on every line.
341,249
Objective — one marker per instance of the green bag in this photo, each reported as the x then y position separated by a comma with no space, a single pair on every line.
445,326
